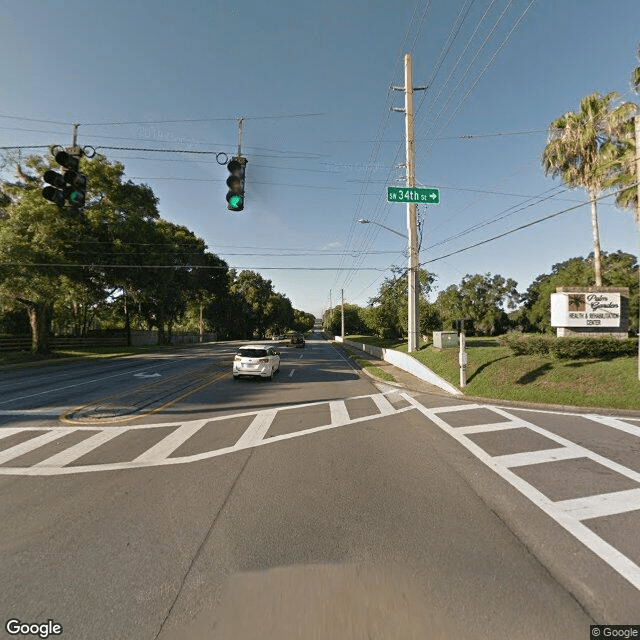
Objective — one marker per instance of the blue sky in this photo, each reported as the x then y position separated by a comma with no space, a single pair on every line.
312,82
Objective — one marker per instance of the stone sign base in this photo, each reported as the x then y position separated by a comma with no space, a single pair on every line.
621,332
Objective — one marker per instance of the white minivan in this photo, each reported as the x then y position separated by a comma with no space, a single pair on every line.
256,360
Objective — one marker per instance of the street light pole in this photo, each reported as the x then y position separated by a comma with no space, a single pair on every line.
384,226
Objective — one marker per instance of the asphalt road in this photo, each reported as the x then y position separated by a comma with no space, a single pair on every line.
156,497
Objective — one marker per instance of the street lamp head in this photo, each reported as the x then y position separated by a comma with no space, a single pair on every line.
363,221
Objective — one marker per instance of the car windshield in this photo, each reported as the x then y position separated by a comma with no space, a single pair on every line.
253,353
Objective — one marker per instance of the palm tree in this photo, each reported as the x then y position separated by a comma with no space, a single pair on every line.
582,149
627,174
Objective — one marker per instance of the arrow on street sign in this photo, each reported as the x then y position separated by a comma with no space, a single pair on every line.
413,194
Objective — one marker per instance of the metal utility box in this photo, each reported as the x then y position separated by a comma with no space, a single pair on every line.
445,339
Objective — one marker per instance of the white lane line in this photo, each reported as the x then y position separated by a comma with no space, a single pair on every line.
29,445
339,413
537,457
171,442
614,558
300,356
256,430
384,406
291,373
604,504
81,448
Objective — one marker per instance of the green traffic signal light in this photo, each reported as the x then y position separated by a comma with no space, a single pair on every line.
71,186
235,203
235,182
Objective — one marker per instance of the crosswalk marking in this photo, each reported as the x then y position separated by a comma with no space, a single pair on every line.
81,448
384,406
25,447
568,513
604,504
171,442
339,413
257,429
537,457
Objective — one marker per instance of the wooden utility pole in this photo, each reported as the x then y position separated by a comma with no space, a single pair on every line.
637,123
413,314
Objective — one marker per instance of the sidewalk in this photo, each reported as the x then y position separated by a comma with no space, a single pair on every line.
402,378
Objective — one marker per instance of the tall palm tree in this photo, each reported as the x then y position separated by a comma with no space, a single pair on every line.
582,149
627,173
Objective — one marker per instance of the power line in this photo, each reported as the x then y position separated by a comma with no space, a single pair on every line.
176,267
524,226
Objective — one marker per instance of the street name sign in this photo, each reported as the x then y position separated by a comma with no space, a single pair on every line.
413,194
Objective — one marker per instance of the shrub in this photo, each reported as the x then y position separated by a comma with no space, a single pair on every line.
605,347
526,344
570,348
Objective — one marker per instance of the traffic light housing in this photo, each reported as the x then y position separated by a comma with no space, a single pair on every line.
235,182
71,186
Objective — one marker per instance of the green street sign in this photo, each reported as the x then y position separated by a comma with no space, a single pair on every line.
413,194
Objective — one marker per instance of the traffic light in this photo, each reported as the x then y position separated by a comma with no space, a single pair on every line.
235,182
71,186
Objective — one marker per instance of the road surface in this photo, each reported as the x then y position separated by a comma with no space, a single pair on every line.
155,497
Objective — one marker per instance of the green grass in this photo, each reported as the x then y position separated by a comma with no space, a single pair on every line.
493,372
365,364
61,355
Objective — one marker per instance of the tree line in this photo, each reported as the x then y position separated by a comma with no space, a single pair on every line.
489,304
117,264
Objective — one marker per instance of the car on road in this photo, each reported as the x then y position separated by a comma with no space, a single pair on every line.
297,340
256,360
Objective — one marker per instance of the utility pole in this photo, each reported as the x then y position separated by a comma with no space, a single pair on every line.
637,127
413,293
414,318
342,295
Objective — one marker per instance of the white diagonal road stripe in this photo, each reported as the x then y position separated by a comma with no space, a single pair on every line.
170,443
78,450
256,430
29,445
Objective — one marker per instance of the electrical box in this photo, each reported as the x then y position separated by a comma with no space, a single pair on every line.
445,340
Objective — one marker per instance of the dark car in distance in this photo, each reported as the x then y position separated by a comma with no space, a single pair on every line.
297,340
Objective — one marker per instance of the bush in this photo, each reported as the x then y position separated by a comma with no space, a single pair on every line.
569,348
606,347
526,344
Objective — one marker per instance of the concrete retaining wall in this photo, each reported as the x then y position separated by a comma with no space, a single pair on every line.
405,362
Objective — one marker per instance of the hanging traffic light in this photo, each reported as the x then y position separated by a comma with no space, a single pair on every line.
71,186
235,182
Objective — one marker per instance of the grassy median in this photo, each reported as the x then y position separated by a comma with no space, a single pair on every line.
494,372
